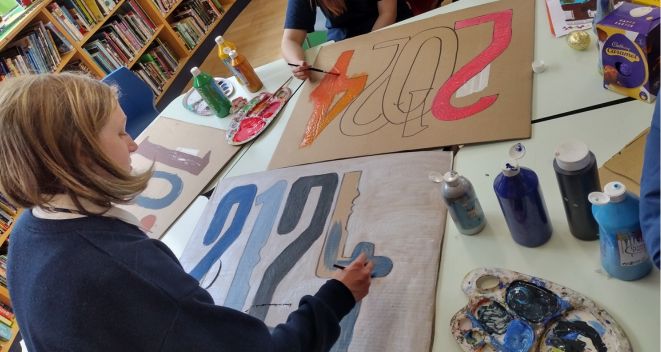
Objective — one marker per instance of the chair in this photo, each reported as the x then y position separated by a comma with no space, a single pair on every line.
320,34
135,98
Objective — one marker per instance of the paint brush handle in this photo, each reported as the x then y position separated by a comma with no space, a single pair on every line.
315,69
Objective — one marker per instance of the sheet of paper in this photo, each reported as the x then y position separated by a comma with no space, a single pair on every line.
566,16
456,78
267,239
185,157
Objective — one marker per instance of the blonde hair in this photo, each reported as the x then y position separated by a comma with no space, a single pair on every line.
49,142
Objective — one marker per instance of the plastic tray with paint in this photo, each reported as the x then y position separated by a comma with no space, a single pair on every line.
251,118
514,312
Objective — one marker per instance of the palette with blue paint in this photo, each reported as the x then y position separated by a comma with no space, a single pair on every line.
513,312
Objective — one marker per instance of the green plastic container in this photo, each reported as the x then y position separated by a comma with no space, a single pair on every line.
210,92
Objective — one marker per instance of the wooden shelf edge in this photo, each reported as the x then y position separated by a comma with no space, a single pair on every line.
3,236
98,26
180,67
64,60
22,23
171,10
4,345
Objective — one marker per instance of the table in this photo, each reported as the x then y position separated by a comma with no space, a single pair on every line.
564,259
570,83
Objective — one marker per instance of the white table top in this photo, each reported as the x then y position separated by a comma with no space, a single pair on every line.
571,82
564,259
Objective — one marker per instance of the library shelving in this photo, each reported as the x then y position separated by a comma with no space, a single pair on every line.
154,38
5,231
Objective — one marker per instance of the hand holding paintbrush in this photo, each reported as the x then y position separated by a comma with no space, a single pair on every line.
302,71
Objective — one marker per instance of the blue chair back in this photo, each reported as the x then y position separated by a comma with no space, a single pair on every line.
135,98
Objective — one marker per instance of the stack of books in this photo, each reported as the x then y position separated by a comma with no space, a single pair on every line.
125,34
78,17
38,49
157,65
7,214
6,313
194,17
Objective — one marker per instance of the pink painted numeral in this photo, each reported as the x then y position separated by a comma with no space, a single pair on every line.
442,107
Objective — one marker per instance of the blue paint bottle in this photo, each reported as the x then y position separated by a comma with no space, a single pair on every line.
521,200
623,252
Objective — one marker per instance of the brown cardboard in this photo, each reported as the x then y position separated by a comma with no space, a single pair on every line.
397,88
627,165
186,157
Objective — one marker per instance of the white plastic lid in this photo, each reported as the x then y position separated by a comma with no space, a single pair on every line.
232,53
195,71
598,198
616,191
451,178
511,168
572,155
517,151
219,39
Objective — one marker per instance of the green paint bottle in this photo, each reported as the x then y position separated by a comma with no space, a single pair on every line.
210,92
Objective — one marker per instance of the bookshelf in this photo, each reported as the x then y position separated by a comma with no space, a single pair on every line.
4,293
154,38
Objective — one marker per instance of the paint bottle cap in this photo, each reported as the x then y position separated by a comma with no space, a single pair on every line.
517,151
616,191
451,178
598,198
538,66
219,40
511,168
572,155
195,71
435,177
232,54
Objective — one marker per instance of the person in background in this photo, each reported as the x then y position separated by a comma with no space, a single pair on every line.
344,19
649,190
82,275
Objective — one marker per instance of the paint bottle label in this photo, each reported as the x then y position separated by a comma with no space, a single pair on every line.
631,248
466,211
228,63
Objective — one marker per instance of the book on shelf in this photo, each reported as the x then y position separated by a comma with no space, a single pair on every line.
5,332
6,321
6,311
79,66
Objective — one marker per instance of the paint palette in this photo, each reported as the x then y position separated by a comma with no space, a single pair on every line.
514,312
250,118
193,101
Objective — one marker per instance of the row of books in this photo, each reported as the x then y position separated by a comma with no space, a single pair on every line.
38,49
117,43
78,17
194,18
6,312
157,66
7,214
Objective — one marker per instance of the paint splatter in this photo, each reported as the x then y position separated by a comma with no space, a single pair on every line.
324,94
248,128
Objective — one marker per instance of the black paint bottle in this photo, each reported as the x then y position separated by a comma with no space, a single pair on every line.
576,170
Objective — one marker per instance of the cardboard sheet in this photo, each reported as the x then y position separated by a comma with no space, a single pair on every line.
455,78
627,165
186,157
267,239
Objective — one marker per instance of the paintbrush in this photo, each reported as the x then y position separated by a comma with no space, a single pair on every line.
315,69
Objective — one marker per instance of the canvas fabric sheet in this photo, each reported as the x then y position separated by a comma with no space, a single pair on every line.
456,78
186,157
265,240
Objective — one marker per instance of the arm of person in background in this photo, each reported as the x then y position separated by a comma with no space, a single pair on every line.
387,13
292,52
649,190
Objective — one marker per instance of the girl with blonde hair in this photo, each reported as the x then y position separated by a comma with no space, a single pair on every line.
82,275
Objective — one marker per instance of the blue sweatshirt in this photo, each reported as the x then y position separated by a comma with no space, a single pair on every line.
649,190
100,284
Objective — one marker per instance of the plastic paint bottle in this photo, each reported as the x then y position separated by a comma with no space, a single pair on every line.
224,46
208,89
576,171
623,252
250,78
463,205
521,200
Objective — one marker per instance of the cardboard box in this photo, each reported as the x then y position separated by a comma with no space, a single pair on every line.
627,165
629,46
